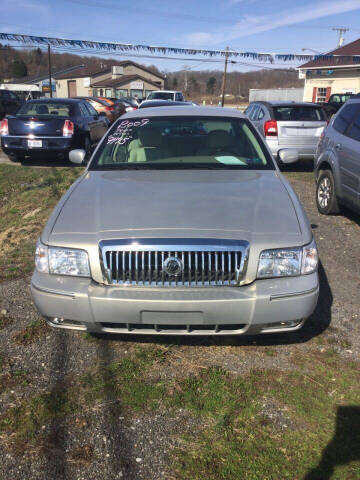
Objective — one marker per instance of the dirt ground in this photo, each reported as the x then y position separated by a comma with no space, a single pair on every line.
101,443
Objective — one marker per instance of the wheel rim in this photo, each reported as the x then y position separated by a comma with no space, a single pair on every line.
324,192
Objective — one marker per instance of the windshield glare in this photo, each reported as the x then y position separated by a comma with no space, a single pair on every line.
42,108
182,142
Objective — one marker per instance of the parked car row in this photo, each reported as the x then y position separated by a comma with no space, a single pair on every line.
57,126
304,131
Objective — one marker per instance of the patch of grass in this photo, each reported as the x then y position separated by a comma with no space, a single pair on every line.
27,197
120,383
5,320
307,177
237,434
237,443
83,454
32,332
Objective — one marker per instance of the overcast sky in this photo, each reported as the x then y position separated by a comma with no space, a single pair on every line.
253,25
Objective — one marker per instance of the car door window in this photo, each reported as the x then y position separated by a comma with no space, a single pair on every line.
354,131
249,110
91,110
254,113
344,117
83,110
261,114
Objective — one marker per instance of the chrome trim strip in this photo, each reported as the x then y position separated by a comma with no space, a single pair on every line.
293,294
54,292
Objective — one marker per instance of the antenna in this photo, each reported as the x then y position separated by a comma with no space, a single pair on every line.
341,32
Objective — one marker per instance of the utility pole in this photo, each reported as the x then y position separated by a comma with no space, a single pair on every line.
341,32
224,77
186,80
49,62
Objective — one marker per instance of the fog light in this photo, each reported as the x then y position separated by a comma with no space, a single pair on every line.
280,325
58,320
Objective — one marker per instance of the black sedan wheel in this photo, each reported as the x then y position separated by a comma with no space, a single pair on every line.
326,200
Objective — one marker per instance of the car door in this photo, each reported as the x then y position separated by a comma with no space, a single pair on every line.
344,149
351,153
9,102
259,120
102,122
89,122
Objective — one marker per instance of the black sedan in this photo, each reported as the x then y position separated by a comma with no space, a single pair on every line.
52,127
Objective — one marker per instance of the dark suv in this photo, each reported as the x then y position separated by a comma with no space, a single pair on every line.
337,162
9,103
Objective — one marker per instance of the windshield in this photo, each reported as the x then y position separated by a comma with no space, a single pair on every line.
182,142
41,109
299,113
160,96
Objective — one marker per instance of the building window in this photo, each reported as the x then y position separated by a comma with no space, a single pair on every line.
321,95
121,92
108,93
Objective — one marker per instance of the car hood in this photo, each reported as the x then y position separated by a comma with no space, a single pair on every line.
178,203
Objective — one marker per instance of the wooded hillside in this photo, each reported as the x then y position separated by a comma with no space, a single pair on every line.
15,63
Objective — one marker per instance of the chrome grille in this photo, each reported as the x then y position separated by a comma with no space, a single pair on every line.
203,262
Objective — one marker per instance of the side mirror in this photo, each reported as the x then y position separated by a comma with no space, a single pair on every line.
102,114
77,156
289,155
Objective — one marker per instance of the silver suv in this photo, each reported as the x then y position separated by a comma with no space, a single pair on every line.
337,165
180,224
289,125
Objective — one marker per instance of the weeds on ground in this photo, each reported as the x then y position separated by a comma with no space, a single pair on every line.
239,435
27,197
32,332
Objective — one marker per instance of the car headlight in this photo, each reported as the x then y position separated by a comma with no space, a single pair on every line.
62,261
288,262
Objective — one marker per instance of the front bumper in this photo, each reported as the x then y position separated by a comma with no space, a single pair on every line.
262,307
19,145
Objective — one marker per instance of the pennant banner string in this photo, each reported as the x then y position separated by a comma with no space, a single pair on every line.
127,47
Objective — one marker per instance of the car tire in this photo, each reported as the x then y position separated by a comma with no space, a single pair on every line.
16,157
326,200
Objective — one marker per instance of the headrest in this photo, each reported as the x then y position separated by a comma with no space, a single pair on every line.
42,109
218,139
149,137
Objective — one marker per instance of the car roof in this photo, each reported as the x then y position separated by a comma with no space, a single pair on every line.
55,100
165,91
285,103
162,103
185,110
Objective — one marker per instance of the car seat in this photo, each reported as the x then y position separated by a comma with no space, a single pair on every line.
150,146
42,110
218,142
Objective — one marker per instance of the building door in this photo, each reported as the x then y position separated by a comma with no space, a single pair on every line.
71,88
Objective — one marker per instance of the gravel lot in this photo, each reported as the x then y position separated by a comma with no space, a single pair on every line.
98,443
